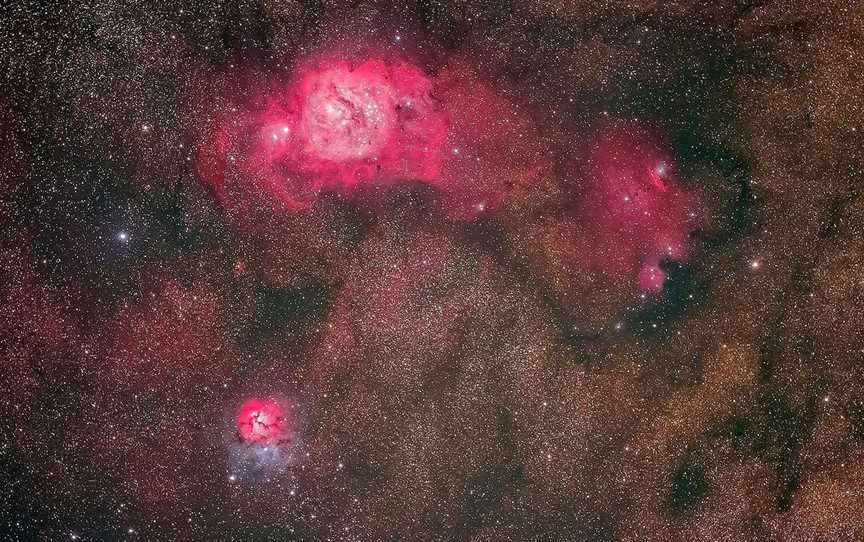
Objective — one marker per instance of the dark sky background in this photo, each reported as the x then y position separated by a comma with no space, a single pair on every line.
427,270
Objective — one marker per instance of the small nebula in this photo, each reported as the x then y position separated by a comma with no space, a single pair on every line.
263,421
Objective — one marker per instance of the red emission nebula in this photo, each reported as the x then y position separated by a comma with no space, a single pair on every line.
338,127
263,421
333,127
637,204
341,127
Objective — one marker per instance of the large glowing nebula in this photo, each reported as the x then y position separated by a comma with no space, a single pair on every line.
334,126
338,126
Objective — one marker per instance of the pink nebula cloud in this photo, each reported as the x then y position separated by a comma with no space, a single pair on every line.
337,126
636,203
263,421
495,151
334,126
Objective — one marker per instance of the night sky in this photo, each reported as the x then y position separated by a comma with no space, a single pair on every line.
428,270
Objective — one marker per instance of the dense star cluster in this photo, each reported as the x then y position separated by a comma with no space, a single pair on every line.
430,270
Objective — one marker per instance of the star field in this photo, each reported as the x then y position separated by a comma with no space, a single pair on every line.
431,270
